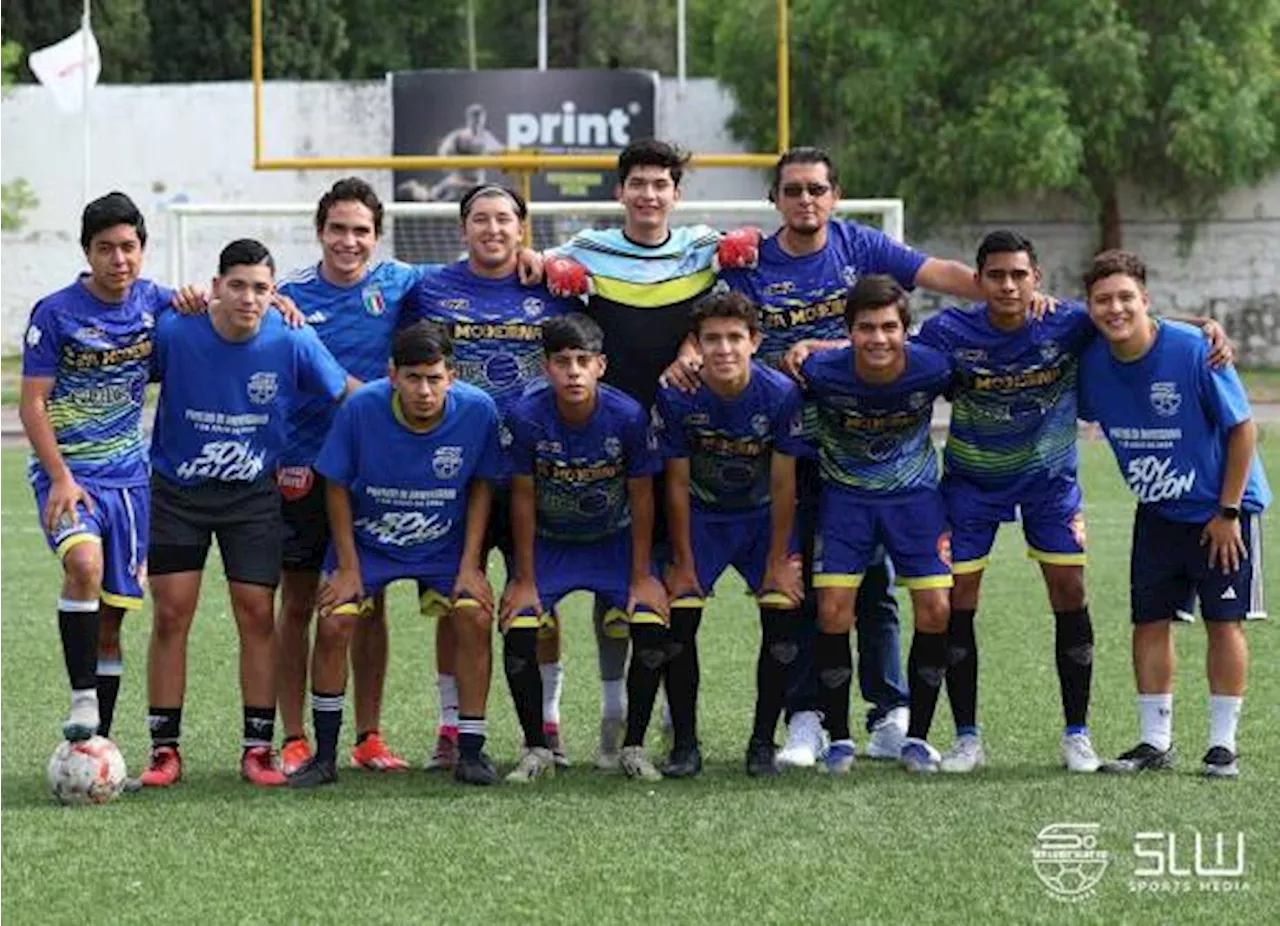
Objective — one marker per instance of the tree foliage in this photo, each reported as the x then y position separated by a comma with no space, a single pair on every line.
948,105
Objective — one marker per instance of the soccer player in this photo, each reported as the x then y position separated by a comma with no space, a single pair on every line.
408,465
227,379
730,451
495,324
353,301
871,406
85,362
1012,449
1185,441
805,272
582,514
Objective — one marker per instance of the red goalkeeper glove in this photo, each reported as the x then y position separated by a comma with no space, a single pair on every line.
738,249
566,277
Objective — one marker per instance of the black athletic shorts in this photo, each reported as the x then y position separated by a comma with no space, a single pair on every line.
244,516
306,520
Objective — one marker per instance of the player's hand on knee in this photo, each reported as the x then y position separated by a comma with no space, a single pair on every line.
785,577
738,249
60,509
191,300
566,277
647,593
288,310
681,580
530,265
340,587
519,597
474,584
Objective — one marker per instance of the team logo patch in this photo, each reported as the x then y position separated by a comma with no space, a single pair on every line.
1165,398
455,305
532,307
944,548
373,300
1049,352
33,336
612,447
1077,527
447,462
971,355
262,387
760,424
295,482
917,400
849,275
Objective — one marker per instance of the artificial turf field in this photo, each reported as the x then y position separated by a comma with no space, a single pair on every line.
591,847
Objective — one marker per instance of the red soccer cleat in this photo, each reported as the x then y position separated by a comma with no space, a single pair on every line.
259,767
374,755
164,768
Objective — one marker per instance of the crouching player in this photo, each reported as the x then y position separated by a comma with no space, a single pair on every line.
408,466
227,379
730,450
1185,440
582,518
871,405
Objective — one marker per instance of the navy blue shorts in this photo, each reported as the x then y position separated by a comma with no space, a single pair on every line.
912,528
1169,570
435,581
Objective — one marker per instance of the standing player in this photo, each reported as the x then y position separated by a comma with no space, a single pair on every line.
1011,451
226,381
872,404
408,465
353,301
582,514
1185,441
806,271
495,323
730,450
85,362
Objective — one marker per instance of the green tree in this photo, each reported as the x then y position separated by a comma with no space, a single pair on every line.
951,105
122,28
390,35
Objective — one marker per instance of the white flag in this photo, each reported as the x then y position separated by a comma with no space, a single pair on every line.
61,68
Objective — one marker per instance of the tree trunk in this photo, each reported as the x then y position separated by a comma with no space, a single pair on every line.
1109,221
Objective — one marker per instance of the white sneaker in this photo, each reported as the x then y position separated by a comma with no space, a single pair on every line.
534,764
965,754
919,758
636,763
611,730
83,721
806,740
887,735
1077,753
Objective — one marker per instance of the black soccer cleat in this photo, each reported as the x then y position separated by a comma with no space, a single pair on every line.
1220,762
684,762
314,772
762,759
475,770
1141,758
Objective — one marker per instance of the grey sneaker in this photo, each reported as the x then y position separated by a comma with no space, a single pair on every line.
611,731
965,755
636,763
534,764
1220,762
1078,754
888,734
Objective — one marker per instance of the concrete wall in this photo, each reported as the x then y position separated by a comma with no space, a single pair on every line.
175,143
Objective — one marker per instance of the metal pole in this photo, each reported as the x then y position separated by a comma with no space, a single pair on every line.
255,68
85,36
525,181
542,35
471,34
680,45
784,80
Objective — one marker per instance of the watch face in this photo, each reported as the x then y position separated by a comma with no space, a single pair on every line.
1230,512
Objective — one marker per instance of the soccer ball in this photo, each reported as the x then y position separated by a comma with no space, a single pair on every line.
90,771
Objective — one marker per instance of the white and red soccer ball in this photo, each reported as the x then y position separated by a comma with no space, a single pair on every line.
89,771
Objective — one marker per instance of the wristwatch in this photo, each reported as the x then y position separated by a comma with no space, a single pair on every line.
1230,512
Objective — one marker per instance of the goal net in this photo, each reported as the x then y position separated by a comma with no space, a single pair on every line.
430,233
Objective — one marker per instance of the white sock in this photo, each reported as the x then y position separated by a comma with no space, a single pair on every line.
1224,715
84,707
666,711
447,686
552,684
1155,720
614,691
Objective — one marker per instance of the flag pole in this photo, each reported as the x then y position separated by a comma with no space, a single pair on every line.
86,35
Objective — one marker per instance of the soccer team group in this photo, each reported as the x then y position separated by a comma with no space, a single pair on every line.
630,414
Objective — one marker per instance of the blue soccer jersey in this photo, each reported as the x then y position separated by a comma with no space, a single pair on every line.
803,297
99,356
409,488
873,439
730,442
580,472
356,324
1013,417
223,413
1167,416
496,326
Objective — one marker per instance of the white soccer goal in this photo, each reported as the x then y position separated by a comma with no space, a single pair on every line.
429,232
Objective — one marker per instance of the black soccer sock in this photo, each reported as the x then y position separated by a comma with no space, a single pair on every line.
520,664
926,667
471,734
644,675
78,625
110,669
165,724
682,674
774,668
259,726
833,663
1073,642
326,718
962,671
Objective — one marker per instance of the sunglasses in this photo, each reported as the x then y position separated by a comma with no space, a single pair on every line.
796,190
